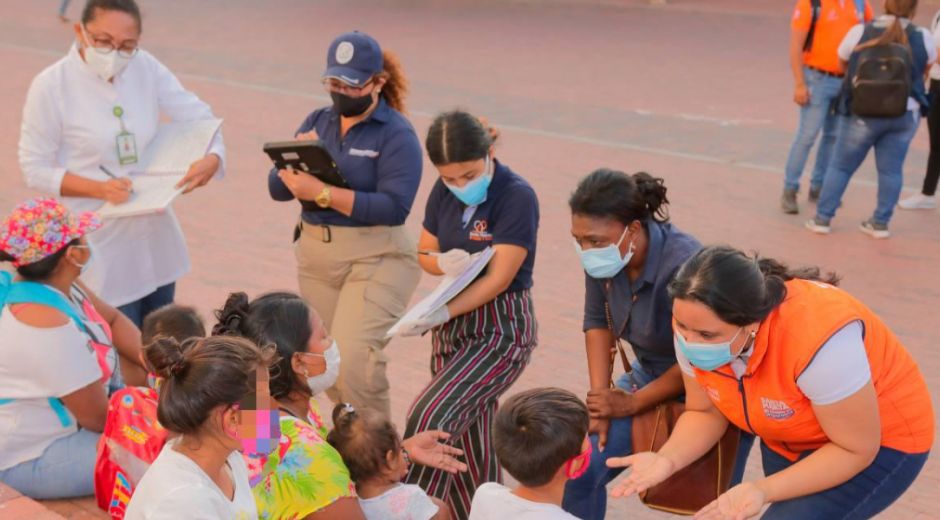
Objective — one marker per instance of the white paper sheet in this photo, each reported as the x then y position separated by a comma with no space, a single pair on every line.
152,194
177,145
445,291
165,161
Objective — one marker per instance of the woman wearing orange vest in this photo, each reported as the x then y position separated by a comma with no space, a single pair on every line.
842,410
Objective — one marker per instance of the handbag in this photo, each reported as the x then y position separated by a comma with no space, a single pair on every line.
694,486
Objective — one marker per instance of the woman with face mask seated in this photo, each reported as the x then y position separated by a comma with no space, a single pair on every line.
356,262
304,477
841,407
87,121
62,351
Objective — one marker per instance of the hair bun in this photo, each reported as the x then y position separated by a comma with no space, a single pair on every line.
231,316
166,357
653,191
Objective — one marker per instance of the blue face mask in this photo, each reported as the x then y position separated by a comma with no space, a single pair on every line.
707,356
473,193
605,262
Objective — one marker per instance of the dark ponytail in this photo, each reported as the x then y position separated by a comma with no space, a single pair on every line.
201,374
279,319
456,137
740,289
607,193
362,438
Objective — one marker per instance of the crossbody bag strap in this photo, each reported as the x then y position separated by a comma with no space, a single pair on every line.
616,344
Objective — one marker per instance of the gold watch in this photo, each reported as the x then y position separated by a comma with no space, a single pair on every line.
324,198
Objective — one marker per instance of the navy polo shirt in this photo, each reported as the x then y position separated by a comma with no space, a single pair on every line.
380,157
646,301
509,215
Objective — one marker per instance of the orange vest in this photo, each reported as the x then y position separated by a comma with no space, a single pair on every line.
767,400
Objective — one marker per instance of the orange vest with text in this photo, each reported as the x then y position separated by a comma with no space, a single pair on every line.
767,400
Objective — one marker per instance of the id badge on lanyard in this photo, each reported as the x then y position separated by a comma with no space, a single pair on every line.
125,142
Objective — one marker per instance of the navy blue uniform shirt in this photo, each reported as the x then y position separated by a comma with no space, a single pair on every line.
380,157
646,301
509,215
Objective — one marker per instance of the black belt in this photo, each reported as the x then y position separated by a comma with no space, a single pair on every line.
826,72
326,235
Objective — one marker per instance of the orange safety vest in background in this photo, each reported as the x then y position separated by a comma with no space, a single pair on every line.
767,401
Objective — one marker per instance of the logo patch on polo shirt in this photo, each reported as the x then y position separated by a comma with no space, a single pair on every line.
356,152
776,410
479,232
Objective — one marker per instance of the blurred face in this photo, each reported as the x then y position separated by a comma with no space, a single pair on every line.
699,324
109,31
257,421
459,174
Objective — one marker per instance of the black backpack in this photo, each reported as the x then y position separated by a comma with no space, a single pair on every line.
881,80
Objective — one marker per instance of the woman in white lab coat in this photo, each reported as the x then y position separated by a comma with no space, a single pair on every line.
87,120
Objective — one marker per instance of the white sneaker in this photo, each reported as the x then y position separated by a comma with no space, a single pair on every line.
818,225
919,201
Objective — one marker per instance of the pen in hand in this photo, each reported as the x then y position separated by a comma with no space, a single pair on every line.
113,176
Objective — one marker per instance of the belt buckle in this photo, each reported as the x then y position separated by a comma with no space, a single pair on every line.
326,235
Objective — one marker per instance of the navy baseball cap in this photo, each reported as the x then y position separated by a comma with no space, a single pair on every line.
353,58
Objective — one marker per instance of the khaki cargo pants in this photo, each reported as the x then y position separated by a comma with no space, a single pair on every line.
360,281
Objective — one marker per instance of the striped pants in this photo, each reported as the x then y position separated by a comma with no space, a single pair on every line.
476,358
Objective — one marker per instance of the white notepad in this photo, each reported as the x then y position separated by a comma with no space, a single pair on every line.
152,194
165,162
446,291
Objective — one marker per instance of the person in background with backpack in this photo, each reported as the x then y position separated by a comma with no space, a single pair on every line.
58,359
816,30
927,199
882,103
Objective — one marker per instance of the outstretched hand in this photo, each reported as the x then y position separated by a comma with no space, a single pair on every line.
428,449
648,469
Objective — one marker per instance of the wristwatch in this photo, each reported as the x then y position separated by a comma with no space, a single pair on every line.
324,198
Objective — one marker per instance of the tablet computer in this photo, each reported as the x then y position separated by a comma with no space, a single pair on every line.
306,156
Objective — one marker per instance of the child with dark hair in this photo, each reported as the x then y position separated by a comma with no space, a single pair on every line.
377,462
173,321
540,437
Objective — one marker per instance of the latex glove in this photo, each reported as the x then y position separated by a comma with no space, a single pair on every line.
421,325
453,262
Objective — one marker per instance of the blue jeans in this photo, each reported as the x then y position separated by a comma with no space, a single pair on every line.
863,496
63,6
66,469
138,310
815,115
890,138
586,497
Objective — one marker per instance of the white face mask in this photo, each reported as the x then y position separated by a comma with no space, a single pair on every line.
83,268
105,66
319,383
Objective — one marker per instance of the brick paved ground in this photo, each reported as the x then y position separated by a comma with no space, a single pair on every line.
697,92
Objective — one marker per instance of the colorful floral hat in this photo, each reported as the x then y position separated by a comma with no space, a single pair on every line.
40,227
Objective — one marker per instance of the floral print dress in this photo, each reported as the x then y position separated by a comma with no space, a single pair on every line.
303,475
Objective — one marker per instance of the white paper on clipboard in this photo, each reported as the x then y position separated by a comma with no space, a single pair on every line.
165,162
445,291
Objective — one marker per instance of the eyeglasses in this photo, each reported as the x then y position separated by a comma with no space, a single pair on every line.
335,85
104,45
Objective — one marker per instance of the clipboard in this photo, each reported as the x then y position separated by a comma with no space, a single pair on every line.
306,156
